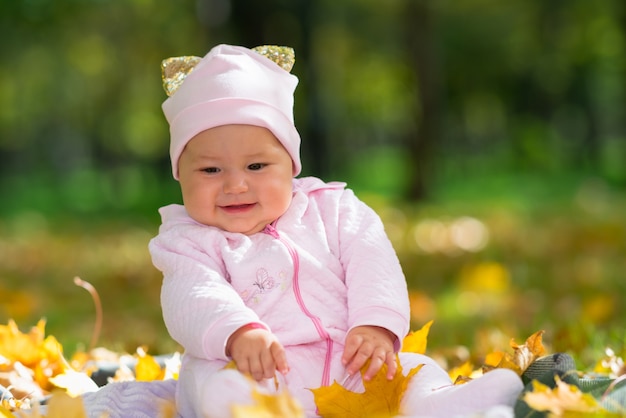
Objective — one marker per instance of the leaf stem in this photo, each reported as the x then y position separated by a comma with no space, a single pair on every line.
97,304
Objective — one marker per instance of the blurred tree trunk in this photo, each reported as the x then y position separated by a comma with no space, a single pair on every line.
621,18
422,56
588,155
314,134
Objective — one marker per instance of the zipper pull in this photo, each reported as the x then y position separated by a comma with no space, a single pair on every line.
270,230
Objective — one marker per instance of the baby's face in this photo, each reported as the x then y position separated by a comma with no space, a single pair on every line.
235,177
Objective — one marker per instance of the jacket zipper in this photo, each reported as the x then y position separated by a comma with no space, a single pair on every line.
271,230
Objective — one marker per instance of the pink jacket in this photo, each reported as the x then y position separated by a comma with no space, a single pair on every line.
322,268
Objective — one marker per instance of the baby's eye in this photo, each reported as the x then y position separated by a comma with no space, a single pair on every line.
256,166
211,170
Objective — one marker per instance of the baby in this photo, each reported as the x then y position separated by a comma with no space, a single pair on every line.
285,276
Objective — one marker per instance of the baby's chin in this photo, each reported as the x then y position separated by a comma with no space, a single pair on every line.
235,229
202,220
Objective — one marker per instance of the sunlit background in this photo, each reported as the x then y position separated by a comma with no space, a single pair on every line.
490,136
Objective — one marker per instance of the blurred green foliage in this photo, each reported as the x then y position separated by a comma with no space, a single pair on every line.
470,87
502,117
485,269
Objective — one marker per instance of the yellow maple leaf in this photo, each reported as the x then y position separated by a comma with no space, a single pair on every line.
280,404
272,405
51,362
501,360
5,413
231,365
44,356
17,346
147,368
462,373
381,397
167,409
62,405
523,355
79,361
563,398
74,383
416,341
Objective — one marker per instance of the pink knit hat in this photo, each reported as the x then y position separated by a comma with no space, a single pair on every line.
231,85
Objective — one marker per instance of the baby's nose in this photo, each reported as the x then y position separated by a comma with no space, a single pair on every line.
235,183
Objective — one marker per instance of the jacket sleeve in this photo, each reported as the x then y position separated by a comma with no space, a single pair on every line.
377,289
200,308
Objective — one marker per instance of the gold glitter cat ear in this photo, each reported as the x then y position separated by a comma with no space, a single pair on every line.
174,71
284,56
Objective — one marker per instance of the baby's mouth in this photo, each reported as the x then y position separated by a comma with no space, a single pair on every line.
237,208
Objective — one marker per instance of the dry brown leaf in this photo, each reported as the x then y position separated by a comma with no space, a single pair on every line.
522,357
381,397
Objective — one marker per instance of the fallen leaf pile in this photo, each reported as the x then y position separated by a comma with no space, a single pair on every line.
29,360
33,367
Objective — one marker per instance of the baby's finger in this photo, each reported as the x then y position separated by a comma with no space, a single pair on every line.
392,366
280,358
353,342
376,362
359,359
268,364
256,368
242,365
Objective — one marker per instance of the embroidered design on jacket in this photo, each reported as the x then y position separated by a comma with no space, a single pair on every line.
263,280
263,285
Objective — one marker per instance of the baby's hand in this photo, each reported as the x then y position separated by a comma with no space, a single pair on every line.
369,342
257,352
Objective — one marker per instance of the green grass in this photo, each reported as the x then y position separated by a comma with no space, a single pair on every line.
554,259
